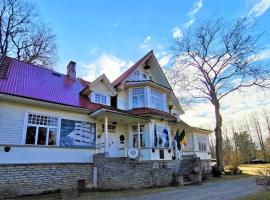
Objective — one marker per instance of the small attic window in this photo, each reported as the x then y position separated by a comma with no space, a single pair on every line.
100,98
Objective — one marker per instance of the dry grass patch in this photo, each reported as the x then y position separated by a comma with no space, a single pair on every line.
254,169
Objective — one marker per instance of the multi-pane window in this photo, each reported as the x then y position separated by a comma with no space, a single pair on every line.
111,128
138,97
135,138
202,146
140,76
157,100
100,98
41,129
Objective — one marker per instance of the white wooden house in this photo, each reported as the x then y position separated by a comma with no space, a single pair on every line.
48,117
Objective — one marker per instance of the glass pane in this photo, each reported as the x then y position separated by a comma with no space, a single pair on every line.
42,132
52,136
135,140
30,135
142,140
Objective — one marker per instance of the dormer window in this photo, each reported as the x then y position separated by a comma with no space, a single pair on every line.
100,98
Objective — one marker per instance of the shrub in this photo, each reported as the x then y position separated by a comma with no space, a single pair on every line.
216,171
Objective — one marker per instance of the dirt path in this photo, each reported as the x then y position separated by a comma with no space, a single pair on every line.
215,191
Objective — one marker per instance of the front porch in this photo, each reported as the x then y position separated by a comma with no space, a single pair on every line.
119,132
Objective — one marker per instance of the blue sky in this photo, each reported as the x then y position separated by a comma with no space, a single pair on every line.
108,36
88,29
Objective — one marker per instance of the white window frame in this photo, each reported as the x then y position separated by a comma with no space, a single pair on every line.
140,97
102,97
112,128
27,124
202,146
134,134
155,98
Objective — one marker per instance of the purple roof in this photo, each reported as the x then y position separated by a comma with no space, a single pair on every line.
30,81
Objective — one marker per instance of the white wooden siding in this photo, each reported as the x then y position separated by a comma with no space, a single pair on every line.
122,100
204,155
11,124
30,155
12,119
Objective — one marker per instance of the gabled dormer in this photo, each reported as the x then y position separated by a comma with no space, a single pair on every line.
100,91
145,85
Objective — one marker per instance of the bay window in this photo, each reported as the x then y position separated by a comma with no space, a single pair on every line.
157,101
138,95
41,130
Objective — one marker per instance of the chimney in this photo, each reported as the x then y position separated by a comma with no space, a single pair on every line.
71,69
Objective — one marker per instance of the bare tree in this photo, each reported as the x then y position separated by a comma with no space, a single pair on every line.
23,36
267,119
257,127
216,59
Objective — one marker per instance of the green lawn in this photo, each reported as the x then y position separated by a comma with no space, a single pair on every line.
263,195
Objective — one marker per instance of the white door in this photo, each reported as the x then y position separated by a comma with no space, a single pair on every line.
113,145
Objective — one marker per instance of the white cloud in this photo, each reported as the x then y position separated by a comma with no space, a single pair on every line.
145,44
177,33
164,60
195,8
263,55
197,5
259,8
190,22
106,63
234,108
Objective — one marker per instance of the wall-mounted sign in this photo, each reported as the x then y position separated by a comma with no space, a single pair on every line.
77,134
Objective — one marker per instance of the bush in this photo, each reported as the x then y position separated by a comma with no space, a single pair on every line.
216,171
264,179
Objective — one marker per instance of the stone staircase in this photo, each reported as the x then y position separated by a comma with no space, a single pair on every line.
189,170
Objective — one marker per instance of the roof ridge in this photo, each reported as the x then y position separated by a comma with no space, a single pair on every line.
130,69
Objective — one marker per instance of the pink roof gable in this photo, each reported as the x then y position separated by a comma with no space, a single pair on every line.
126,74
30,81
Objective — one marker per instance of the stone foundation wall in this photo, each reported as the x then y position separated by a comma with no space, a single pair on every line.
17,180
206,168
123,173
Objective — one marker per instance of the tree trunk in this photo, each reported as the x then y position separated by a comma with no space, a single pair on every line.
218,133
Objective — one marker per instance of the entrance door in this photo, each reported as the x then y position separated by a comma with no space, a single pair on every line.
113,145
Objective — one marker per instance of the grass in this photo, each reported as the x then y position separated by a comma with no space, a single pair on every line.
225,178
254,169
104,195
262,195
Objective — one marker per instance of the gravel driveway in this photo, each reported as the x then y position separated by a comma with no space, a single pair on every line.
215,191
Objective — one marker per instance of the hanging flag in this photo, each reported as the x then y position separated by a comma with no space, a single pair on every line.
178,140
183,138
155,136
165,136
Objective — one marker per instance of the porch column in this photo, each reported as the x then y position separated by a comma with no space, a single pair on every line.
106,134
139,139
